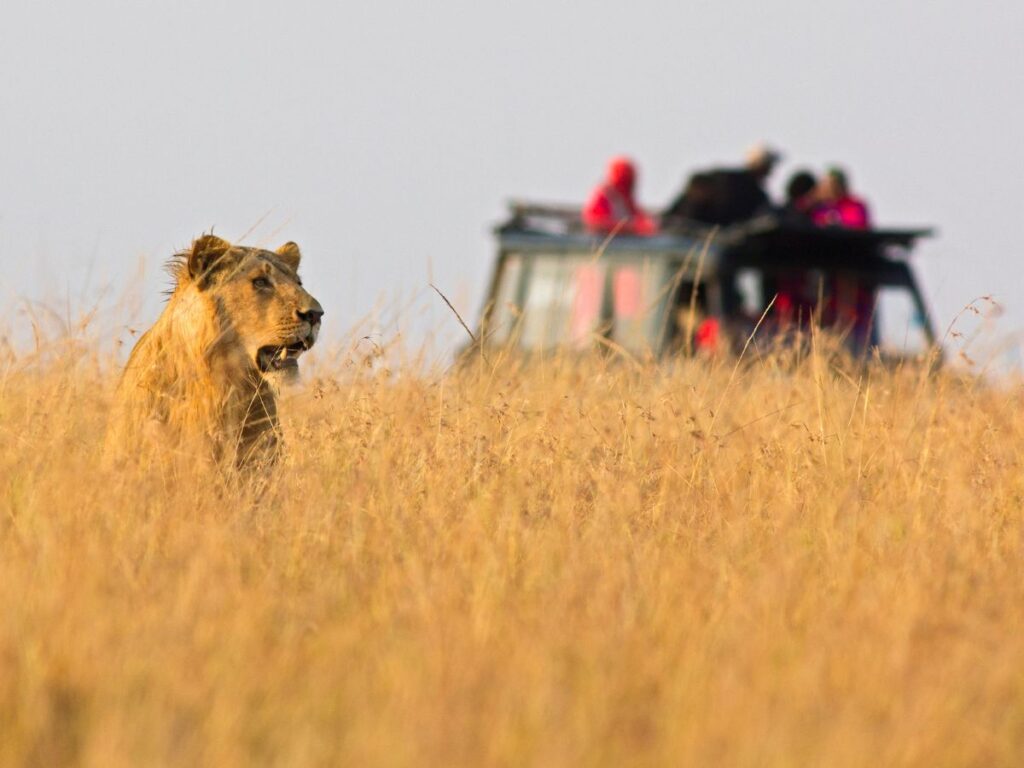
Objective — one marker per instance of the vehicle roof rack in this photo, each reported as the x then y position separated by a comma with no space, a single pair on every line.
562,219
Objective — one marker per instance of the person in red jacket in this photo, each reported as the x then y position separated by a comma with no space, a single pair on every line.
838,207
612,207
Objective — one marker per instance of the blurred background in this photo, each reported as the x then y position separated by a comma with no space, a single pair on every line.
385,138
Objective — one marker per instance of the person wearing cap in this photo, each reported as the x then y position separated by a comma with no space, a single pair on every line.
612,206
726,196
837,206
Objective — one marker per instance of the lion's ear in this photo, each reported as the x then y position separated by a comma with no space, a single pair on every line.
204,253
290,255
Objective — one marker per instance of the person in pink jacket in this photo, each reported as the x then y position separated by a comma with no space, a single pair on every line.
838,207
612,207
852,302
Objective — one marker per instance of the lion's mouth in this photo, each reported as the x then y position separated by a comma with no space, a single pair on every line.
273,358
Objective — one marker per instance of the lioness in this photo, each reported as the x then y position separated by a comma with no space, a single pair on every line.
236,318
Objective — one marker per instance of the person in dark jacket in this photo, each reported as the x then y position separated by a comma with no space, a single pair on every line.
726,196
801,198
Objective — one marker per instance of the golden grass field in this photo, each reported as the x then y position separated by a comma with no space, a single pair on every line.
596,563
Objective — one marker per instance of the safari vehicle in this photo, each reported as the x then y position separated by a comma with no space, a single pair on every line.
557,286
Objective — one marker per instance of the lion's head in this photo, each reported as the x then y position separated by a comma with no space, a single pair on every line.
263,311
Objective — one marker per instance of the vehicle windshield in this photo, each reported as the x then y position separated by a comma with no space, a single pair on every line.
552,300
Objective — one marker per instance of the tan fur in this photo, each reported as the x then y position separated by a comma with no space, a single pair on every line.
194,381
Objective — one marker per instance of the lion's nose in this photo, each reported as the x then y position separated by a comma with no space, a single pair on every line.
311,315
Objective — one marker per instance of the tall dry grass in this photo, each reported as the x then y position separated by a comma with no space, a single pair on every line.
596,562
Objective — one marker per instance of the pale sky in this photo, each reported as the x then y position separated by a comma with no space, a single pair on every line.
385,137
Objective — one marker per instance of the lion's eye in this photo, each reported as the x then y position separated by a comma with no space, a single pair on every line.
260,283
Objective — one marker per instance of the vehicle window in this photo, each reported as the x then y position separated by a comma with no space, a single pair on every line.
563,301
639,300
750,287
627,305
505,313
587,303
899,326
